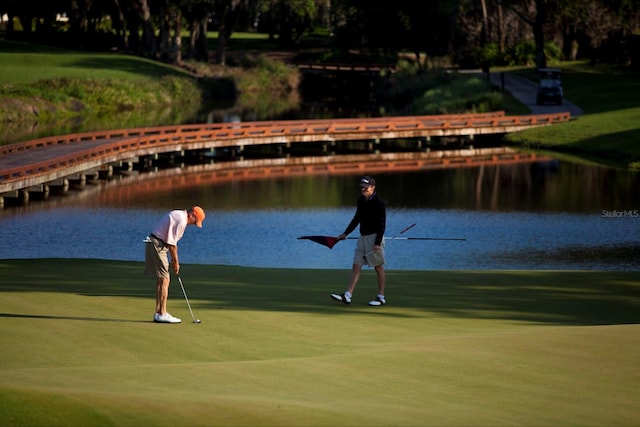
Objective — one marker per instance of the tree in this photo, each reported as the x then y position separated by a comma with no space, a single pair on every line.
426,28
170,31
196,14
140,18
227,13
152,28
533,13
289,19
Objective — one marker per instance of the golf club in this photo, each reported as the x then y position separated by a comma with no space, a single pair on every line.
187,299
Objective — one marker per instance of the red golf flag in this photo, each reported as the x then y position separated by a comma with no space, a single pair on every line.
327,241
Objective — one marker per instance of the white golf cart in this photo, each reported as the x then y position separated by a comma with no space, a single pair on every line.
550,88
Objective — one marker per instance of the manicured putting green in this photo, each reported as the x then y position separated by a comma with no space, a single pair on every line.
500,348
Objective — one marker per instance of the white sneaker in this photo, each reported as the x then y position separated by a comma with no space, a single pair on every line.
377,302
166,318
342,298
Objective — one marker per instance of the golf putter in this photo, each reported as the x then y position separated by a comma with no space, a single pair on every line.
187,299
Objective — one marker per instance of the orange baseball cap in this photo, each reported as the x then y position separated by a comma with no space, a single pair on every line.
199,214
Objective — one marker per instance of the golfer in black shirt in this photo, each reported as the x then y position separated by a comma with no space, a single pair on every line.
372,217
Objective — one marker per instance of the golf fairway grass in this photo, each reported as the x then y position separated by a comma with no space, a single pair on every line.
455,348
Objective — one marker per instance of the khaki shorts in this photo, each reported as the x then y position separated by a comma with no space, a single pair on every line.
365,255
156,258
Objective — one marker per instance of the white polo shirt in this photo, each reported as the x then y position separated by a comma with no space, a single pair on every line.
171,227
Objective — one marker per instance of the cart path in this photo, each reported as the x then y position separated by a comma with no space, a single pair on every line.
525,90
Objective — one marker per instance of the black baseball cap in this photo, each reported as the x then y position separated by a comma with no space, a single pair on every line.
367,181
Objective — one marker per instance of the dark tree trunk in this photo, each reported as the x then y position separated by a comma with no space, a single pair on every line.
538,32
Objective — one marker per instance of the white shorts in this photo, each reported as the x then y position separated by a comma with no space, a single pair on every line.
365,255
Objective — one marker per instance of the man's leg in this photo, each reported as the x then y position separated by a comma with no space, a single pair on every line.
379,300
381,279
162,293
355,276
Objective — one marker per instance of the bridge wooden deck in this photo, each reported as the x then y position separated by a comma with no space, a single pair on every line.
37,162
371,69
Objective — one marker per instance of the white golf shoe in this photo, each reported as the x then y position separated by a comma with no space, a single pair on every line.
377,302
165,318
342,298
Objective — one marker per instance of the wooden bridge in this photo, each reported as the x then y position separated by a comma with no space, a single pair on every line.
31,164
371,69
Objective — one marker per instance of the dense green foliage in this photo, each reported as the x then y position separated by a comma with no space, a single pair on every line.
473,33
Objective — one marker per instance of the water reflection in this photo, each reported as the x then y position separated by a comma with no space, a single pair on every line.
546,186
545,215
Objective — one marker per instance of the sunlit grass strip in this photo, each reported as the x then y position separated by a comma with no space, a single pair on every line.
26,63
612,135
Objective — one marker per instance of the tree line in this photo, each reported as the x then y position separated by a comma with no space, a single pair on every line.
470,32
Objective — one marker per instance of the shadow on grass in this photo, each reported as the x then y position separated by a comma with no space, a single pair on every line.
623,152
549,297
91,319
10,46
131,65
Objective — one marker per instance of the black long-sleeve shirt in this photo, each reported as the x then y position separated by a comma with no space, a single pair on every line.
371,215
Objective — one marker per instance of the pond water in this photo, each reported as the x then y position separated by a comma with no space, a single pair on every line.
546,215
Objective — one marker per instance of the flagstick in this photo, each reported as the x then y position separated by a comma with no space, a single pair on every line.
417,238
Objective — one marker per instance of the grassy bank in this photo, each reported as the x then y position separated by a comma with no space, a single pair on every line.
540,348
42,84
609,130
